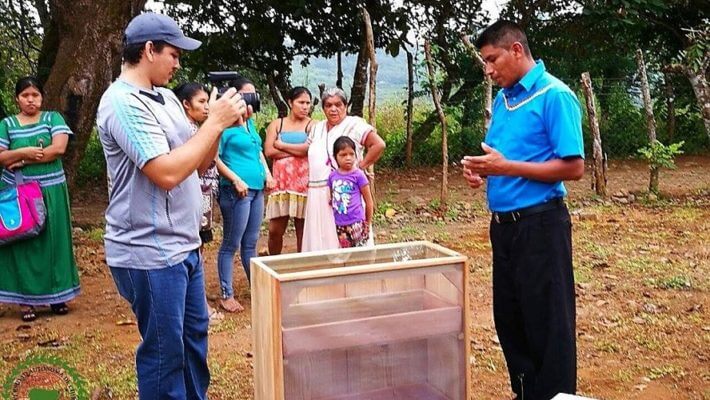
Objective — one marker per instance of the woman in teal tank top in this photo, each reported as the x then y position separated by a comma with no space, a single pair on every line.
287,146
244,176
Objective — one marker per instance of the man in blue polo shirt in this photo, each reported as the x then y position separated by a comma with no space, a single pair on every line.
153,217
533,144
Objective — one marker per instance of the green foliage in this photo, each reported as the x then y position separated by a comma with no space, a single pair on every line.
697,54
92,168
659,155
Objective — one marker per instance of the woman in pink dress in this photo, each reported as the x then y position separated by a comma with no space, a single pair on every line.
319,231
286,145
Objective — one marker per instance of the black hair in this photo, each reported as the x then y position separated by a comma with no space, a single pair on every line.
188,90
503,33
132,53
342,143
28,81
298,91
240,82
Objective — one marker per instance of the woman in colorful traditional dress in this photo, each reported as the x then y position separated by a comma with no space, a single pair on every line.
40,270
319,232
287,145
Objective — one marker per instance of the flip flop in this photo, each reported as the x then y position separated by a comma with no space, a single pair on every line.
28,314
59,308
215,317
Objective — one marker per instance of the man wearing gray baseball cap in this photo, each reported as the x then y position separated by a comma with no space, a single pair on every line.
153,217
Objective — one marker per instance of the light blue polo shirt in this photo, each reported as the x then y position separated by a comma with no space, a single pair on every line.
240,151
146,227
536,120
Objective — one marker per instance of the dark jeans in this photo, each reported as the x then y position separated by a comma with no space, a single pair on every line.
171,309
241,217
534,304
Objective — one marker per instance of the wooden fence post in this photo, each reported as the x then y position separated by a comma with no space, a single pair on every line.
442,119
650,121
488,96
371,114
410,108
598,165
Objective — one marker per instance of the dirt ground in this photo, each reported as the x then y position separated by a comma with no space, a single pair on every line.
641,271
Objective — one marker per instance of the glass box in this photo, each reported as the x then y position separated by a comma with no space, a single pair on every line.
378,323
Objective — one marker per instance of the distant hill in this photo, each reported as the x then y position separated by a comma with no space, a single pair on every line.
391,74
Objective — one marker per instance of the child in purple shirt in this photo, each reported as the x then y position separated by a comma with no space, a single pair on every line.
349,188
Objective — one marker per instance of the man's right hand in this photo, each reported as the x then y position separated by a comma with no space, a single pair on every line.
230,109
473,179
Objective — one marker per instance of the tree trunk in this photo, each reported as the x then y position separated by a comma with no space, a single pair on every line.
488,85
598,172
277,96
442,120
701,89
650,121
670,104
339,81
357,94
410,108
372,99
87,57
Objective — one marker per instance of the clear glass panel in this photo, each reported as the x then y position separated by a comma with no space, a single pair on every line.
378,336
361,256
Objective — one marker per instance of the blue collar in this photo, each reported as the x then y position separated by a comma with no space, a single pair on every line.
529,79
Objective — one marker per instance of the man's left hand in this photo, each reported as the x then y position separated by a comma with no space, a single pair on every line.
491,163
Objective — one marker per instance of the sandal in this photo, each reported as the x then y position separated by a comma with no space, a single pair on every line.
231,305
59,308
215,317
28,314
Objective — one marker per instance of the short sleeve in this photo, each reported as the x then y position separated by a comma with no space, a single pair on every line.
58,125
362,180
134,128
563,123
331,176
357,129
4,135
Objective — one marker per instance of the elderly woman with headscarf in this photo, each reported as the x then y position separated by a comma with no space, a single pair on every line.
319,232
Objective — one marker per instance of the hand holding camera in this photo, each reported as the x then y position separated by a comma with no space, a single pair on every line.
223,80
227,110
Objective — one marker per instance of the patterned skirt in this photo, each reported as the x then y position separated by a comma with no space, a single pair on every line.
288,199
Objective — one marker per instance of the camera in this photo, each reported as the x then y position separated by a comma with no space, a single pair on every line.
222,79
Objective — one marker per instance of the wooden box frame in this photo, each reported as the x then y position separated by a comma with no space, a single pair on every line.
382,319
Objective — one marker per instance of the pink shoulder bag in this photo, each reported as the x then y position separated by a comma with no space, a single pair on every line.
22,211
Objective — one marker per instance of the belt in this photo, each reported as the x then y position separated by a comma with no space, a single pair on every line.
517,215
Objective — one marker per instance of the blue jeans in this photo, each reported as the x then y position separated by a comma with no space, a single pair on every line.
171,310
242,218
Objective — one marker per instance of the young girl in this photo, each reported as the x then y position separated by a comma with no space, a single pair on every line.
349,187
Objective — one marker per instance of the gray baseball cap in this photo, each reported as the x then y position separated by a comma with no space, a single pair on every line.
152,26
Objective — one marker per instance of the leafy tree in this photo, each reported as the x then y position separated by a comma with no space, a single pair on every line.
265,36
676,30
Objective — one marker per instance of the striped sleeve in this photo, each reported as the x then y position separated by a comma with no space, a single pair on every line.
4,135
57,124
135,129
